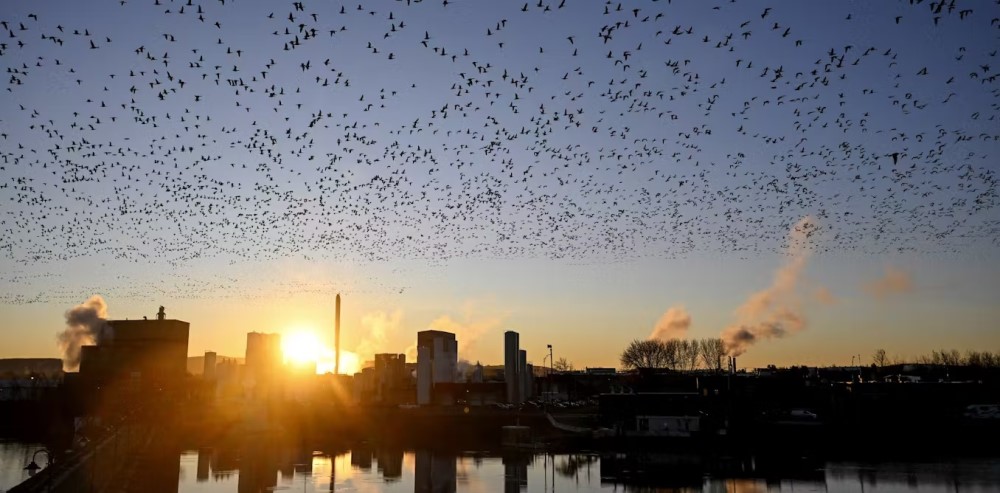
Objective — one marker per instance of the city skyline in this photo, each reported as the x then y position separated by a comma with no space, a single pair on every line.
809,181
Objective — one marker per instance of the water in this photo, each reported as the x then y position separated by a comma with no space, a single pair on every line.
368,471
267,468
14,456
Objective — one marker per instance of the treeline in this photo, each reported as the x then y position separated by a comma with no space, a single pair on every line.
674,354
945,357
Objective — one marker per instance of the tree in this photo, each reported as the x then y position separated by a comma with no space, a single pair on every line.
562,365
689,353
880,358
712,351
671,353
645,354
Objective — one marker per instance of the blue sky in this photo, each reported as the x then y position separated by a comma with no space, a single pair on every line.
564,172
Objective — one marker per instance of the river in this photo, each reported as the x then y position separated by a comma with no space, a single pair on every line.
386,470
14,455
365,469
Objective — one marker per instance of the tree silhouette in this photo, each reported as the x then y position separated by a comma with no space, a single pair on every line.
880,358
712,351
646,354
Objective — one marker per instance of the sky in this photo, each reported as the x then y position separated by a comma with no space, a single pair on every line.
810,181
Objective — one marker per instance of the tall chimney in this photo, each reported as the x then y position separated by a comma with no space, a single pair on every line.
336,341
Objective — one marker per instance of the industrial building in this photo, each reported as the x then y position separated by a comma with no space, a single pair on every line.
517,373
263,362
437,362
148,356
393,384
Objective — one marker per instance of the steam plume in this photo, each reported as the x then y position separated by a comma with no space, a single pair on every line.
463,370
672,325
774,311
477,319
823,295
377,326
86,325
895,281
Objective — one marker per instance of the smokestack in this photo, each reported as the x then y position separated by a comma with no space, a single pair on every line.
336,340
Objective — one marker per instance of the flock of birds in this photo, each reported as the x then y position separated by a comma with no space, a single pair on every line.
170,131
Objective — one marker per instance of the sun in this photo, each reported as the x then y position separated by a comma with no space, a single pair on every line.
303,347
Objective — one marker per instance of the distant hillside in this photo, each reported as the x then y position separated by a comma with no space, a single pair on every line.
196,364
26,366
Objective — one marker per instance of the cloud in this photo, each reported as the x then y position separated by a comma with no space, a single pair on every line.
774,311
673,324
893,281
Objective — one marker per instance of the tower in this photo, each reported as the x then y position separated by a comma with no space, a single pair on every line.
336,340
510,374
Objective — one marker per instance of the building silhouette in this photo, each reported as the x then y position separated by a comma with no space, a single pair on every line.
510,366
146,357
263,362
208,373
434,472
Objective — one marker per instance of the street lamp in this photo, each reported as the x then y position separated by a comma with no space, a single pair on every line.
33,467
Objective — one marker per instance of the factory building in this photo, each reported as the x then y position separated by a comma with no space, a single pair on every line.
437,362
143,356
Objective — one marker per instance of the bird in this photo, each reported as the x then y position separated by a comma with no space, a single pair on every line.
657,132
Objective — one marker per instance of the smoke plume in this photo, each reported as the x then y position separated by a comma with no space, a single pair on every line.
478,318
377,325
672,325
823,295
894,281
463,370
86,325
774,311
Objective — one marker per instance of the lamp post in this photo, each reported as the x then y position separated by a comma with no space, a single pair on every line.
33,467
548,383
551,368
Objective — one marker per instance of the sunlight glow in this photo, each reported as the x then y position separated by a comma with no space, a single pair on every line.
303,347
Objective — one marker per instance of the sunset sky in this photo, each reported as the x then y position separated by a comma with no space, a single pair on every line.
820,176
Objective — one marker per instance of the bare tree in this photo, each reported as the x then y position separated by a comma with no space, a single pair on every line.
671,353
880,358
712,351
991,360
562,364
950,358
690,350
644,354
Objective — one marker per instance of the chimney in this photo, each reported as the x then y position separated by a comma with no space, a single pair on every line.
161,315
336,340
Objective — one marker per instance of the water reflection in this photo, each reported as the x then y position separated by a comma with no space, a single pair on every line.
265,467
13,457
435,472
515,472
